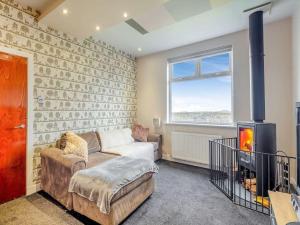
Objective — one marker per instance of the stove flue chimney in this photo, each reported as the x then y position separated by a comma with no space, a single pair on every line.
256,38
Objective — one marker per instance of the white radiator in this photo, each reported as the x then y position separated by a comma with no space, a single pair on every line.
193,147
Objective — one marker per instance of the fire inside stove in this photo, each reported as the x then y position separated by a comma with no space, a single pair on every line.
246,139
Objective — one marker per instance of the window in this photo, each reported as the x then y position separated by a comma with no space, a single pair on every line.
200,89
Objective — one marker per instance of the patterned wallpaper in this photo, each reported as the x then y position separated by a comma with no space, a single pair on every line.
83,84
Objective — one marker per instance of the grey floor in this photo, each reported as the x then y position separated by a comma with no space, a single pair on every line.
183,196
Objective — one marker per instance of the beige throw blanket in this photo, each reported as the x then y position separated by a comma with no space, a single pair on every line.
100,183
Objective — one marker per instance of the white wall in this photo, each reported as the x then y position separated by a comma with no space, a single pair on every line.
296,53
152,83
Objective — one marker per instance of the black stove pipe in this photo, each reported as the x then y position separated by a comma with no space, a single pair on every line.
256,37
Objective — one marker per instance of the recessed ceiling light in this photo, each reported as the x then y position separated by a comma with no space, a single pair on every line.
139,49
125,15
65,11
97,28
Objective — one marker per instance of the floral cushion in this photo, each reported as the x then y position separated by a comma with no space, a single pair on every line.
73,144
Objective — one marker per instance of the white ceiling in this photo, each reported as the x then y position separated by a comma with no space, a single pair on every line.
84,16
219,21
169,23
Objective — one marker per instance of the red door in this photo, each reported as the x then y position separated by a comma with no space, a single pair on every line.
13,110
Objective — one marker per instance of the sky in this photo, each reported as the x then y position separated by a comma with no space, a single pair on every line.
213,94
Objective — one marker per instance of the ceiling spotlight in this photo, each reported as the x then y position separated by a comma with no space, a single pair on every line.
139,49
65,11
97,28
125,15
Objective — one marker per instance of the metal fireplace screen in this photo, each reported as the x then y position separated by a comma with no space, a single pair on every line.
239,183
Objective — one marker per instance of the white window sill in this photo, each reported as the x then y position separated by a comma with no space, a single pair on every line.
230,126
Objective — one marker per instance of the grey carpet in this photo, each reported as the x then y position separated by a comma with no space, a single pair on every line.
183,196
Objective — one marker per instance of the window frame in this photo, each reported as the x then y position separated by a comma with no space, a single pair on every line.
198,76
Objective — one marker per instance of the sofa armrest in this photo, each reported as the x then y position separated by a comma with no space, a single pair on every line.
70,162
154,138
158,139
56,172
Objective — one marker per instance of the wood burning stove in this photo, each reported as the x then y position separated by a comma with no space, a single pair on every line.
254,141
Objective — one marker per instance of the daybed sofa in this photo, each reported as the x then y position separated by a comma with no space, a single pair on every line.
120,142
57,170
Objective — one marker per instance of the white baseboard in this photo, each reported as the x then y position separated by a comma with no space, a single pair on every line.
33,189
168,157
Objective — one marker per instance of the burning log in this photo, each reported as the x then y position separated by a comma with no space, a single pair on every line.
250,184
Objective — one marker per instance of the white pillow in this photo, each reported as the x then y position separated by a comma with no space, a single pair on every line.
115,138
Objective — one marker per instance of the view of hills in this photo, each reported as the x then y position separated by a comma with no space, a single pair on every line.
214,117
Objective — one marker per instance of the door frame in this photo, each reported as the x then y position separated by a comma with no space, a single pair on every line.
30,186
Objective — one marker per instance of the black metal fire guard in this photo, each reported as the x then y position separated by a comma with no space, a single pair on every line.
238,183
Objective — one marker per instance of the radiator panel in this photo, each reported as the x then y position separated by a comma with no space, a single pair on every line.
192,147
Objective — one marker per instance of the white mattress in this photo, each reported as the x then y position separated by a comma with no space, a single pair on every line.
142,150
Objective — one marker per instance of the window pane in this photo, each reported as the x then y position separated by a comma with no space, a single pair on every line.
184,69
215,64
206,101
